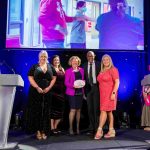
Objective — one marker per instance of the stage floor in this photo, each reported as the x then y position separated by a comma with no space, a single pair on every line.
128,139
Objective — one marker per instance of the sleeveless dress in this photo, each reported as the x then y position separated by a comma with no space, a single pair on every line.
37,111
106,84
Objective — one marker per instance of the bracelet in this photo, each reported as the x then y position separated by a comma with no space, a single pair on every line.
113,92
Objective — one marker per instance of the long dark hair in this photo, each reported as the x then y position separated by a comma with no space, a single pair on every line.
53,57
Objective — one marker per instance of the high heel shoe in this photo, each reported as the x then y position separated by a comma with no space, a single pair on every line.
54,131
147,128
111,133
71,132
38,135
99,134
78,131
44,137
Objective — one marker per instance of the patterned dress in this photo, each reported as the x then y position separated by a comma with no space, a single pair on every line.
37,111
106,81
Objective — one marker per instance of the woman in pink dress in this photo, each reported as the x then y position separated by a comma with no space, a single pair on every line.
108,79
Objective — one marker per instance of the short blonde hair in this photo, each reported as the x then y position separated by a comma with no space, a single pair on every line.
111,62
45,53
74,57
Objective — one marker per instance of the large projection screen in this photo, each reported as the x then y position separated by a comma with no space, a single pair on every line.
104,24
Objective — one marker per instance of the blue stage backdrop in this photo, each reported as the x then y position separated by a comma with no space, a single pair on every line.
131,65
132,68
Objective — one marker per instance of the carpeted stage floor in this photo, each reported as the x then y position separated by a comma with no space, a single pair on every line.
128,139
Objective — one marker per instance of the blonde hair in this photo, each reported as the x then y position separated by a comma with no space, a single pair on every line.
110,64
74,57
45,53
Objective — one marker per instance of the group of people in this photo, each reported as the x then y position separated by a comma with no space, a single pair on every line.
96,82
51,85
127,31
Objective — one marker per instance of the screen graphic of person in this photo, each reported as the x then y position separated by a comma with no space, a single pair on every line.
74,91
58,95
78,35
53,21
118,30
108,79
42,77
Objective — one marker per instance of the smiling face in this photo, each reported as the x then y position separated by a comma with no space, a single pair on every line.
106,62
43,58
56,61
75,63
90,56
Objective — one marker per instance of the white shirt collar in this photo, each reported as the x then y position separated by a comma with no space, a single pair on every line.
91,63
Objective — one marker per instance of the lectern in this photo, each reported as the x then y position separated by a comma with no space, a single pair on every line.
8,83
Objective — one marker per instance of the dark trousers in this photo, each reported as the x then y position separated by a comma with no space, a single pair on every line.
93,107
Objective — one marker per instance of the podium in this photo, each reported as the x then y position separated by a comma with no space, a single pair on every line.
8,83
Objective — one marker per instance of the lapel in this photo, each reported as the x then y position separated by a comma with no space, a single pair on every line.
72,75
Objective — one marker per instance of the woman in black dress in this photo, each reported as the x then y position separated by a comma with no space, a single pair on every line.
58,92
42,77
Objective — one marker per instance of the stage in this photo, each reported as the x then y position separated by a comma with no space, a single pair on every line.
128,139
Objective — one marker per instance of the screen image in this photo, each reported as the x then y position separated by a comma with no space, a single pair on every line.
72,24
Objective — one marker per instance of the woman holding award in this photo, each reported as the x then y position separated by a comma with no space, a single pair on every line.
74,82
